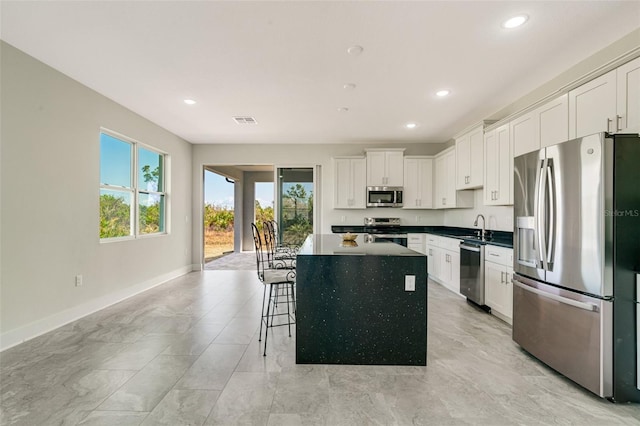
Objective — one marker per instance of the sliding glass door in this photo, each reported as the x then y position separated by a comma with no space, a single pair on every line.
295,203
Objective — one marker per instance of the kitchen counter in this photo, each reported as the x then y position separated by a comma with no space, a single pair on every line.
499,238
352,305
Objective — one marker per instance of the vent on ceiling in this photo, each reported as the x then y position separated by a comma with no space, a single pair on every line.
245,120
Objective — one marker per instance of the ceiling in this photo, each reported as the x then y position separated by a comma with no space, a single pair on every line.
286,63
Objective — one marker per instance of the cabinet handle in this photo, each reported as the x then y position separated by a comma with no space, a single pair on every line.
494,254
444,201
501,277
618,125
608,124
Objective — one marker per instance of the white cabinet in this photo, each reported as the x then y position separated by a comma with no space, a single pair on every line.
385,167
446,196
592,106
498,272
544,126
418,183
349,183
498,160
552,121
417,242
443,261
628,85
469,166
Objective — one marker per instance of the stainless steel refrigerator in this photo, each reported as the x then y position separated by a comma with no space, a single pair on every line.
576,256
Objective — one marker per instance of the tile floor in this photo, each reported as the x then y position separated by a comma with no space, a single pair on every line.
187,353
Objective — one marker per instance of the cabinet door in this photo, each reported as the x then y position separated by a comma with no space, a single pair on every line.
523,132
491,167
394,168
628,111
493,279
433,262
412,183
445,268
592,106
343,185
359,183
450,194
454,263
508,302
463,162
441,182
553,121
476,144
376,168
425,177
505,167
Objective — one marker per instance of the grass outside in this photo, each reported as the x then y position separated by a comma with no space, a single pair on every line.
216,243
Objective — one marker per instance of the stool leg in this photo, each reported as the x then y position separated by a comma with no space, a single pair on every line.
288,313
266,330
264,294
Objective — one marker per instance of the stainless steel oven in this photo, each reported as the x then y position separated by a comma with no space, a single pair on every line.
384,196
382,229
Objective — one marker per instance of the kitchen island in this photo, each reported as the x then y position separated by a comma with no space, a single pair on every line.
354,305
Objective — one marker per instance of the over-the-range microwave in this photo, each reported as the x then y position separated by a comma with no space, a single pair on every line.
384,196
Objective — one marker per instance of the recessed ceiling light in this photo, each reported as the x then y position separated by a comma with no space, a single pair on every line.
411,125
343,109
349,86
514,22
355,50
189,101
442,93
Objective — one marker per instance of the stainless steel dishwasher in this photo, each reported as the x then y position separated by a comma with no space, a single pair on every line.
472,272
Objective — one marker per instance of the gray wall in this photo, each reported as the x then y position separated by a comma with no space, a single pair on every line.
50,202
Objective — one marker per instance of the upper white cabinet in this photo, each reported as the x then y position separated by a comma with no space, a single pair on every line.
418,183
350,183
446,195
608,103
628,111
592,106
498,160
469,165
544,126
385,167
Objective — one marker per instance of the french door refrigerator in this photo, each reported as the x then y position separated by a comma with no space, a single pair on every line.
576,256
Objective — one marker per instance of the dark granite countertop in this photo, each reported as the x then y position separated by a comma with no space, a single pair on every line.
332,245
499,238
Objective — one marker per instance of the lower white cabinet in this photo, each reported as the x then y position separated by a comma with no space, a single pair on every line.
443,261
417,242
498,272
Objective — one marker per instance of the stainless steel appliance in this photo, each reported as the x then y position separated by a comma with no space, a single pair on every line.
384,196
472,272
379,229
576,249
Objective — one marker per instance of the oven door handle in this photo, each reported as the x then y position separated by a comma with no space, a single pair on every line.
464,246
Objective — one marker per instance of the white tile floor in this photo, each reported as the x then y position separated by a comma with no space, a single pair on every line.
187,353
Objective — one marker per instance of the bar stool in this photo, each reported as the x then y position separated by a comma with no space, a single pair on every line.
281,284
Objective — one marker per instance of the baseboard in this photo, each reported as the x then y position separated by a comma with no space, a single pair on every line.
196,267
27,332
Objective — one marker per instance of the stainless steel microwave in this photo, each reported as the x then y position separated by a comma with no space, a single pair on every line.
384,196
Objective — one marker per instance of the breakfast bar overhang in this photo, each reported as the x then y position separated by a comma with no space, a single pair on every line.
356,304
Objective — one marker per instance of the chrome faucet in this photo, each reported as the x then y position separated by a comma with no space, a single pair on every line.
476,224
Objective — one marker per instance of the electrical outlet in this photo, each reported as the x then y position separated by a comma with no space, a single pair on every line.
78,280
409,283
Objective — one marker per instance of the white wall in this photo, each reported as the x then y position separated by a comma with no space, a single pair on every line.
499,218
50,202
303,155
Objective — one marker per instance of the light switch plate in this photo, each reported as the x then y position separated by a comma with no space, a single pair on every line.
409,283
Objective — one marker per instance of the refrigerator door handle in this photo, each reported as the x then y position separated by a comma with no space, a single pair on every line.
552,212
540,204
575,303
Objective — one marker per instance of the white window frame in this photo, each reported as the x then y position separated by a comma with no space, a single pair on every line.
134,211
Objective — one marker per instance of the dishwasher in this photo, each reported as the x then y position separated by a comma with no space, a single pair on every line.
472,273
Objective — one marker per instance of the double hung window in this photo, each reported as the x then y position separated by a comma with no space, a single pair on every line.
133,198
